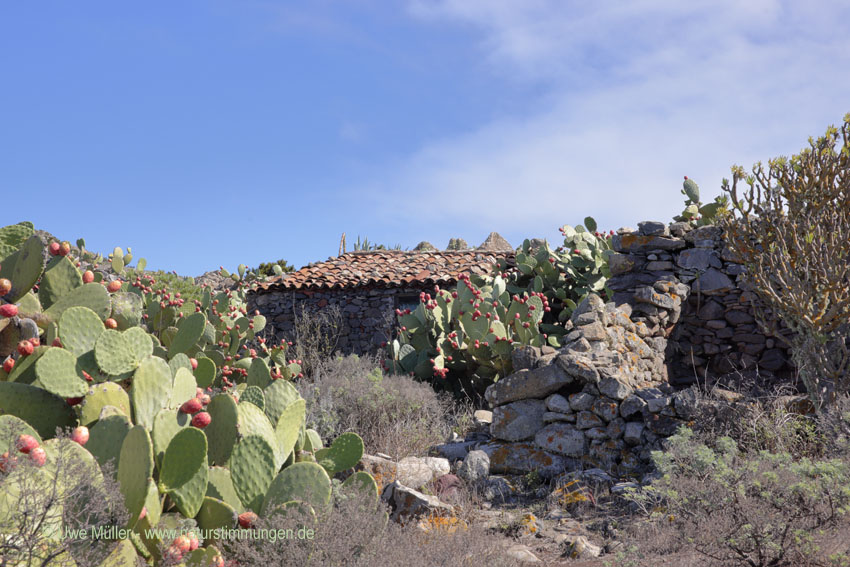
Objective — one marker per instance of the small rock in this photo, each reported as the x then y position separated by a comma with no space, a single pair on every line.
522,554
483,417
558,403
475,467
578,547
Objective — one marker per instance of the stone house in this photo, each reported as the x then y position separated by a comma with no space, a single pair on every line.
362,290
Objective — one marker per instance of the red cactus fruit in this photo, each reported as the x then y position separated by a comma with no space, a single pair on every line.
201,420
65,248
183,543
111,323
5,286
73,401
247,519
38,456
88,276
54,248
113,286
7,462
26,443
25,348
191,406
80,435
8,310
8,364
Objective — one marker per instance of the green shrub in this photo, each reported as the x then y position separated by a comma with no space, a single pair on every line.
749,508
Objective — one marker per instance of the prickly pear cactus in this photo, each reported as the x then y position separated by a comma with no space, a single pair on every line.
156,383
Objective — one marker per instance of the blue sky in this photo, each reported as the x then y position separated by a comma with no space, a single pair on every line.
207,133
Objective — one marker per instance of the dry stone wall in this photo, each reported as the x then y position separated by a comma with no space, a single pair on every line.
607,398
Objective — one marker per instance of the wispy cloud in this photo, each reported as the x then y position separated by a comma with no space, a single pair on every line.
634,97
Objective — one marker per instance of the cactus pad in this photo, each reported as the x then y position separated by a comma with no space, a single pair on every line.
278,395
127,309
114,353
221,432
79,328
60,277
205,372
289,426
362,482
345,452
178,361
38,407
253,395
215,514
252,469
151,389
258,373
312,440
252,421
135,467
27,270
305,482
185,388
220,486
190,331
92,295
105,439
184,470
140,342
166,425
100,396
56,372
11,427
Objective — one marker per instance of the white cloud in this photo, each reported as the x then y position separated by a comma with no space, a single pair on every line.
638,95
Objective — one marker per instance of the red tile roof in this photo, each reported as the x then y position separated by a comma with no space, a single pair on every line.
388,268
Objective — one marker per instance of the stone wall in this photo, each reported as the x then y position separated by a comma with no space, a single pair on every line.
607,398
366,315
713,331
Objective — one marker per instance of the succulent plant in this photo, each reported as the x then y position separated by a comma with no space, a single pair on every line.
467,334
136,388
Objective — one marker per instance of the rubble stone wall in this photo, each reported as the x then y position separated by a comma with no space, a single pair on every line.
366,316
608,397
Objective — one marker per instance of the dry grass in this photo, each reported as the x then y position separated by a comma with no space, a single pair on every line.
356,532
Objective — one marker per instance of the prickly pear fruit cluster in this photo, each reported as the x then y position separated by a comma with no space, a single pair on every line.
467,334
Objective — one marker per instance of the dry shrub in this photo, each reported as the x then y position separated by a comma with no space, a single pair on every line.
393,414
43,506
355,532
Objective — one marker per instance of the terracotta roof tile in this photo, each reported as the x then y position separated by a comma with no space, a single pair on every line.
387,268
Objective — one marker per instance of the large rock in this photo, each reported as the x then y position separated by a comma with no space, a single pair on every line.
408,503
518,420
578,367
695,258
638,243
712,282
416,472
522,458
536,383
562,438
